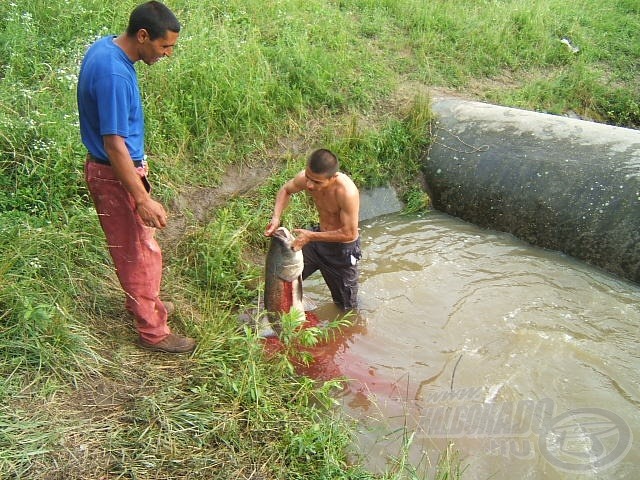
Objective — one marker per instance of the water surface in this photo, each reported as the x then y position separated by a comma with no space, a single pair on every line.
526,359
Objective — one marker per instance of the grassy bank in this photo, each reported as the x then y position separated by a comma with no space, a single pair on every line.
253,86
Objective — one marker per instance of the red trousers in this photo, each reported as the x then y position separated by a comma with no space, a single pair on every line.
133,248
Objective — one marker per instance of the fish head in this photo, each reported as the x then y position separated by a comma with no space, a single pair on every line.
283,235
286,263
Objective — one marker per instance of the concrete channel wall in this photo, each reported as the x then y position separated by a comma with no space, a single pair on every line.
555,182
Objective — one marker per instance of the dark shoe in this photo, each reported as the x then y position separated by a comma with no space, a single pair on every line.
171,344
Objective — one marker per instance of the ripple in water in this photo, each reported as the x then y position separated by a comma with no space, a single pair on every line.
474,336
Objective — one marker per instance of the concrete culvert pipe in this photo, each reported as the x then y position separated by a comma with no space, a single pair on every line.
555,182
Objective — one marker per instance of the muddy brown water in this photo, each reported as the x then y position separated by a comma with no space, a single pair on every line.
526,359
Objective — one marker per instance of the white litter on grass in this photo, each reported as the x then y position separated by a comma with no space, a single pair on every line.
570,45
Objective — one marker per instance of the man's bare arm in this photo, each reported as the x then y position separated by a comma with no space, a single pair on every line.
283,196
151,212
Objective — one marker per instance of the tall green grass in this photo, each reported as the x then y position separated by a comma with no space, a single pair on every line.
79,400
245,73
510,52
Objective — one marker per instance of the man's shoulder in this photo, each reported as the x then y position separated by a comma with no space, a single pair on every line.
103,47
346,183
299,179
345,190
104,57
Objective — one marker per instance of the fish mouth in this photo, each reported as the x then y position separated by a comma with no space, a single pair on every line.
283,234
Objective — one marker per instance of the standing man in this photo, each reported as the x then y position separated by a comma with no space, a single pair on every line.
112,130
334,246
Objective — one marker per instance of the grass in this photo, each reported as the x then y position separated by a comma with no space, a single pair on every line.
510,52
253,86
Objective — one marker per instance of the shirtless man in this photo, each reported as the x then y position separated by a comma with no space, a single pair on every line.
334,246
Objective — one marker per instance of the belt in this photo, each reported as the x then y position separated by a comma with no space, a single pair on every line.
91,158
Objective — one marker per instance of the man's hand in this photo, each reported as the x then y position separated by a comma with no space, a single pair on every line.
273,225
302,238
152,213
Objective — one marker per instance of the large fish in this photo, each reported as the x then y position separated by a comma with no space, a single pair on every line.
283,280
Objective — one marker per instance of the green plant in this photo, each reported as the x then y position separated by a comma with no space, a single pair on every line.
213,257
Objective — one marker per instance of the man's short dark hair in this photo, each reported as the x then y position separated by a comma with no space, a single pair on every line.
155,18
323,162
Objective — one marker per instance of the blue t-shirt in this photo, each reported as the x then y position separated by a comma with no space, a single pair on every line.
109,100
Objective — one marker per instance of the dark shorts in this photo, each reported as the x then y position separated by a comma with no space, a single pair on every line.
338,264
